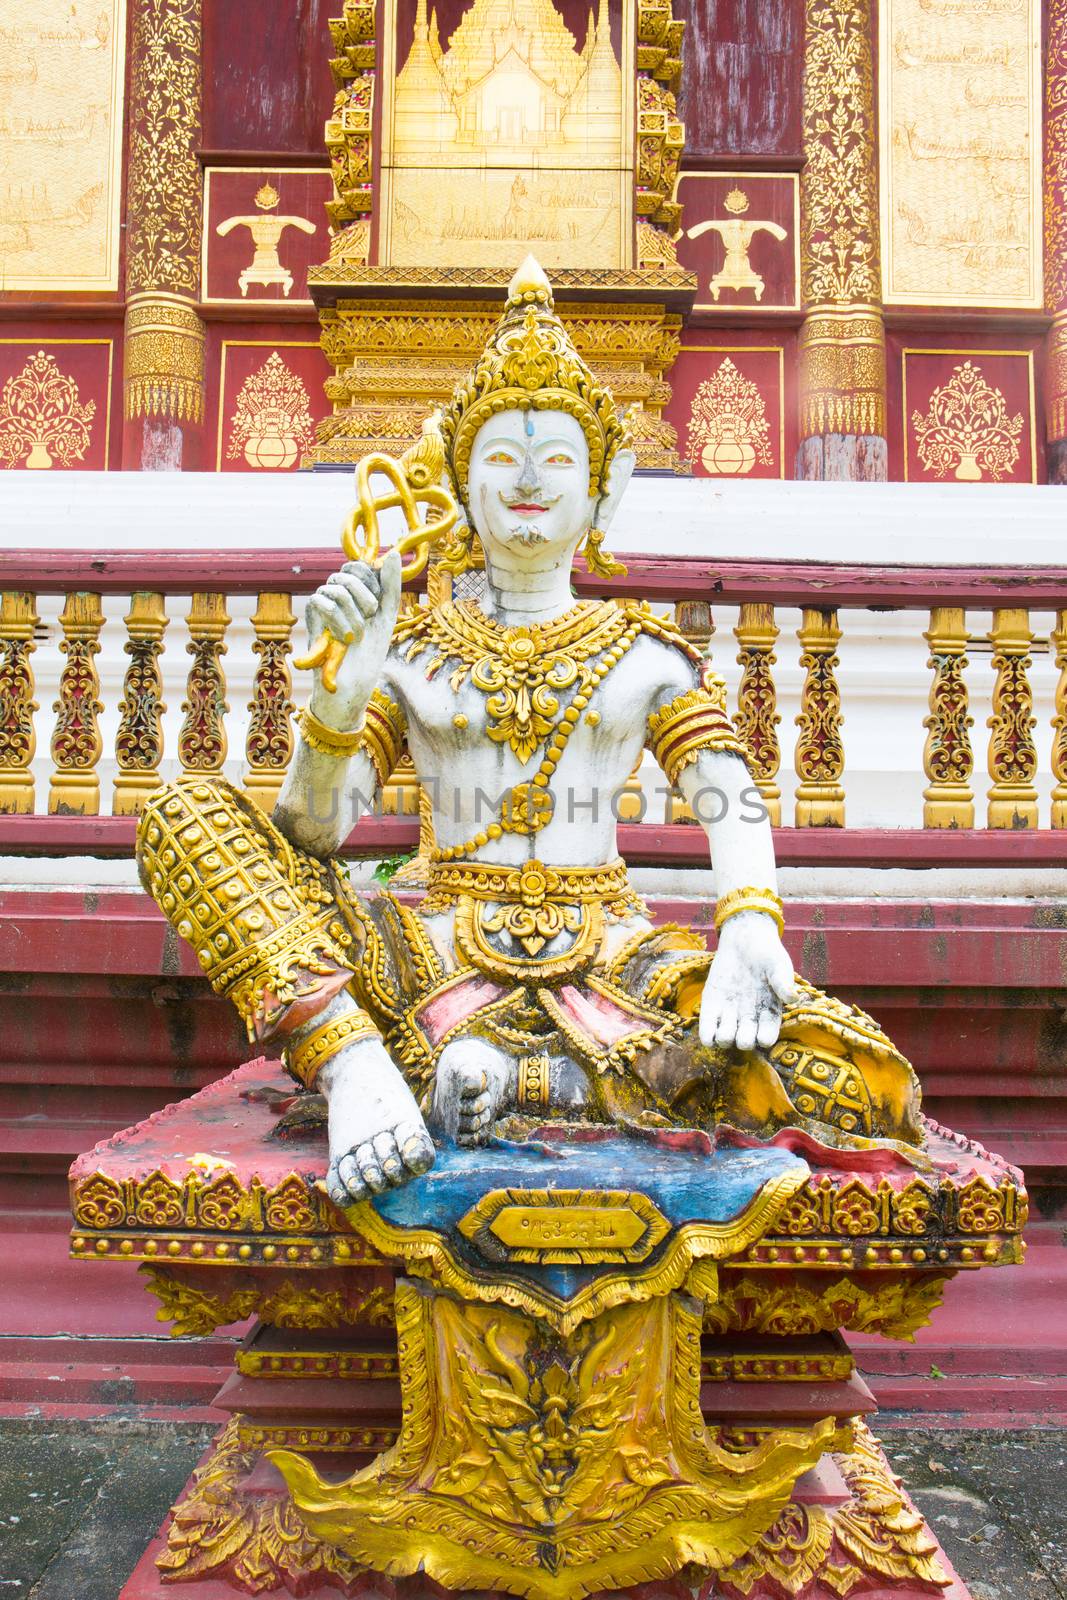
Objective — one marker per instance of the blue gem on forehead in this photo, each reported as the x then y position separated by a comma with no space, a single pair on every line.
528,424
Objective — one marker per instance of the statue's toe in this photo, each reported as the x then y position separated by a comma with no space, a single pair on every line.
415,1147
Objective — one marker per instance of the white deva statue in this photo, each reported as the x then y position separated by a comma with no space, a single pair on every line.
529,980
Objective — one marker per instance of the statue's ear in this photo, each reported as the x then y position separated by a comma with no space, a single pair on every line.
621,472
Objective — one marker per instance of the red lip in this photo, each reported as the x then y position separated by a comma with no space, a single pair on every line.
527,508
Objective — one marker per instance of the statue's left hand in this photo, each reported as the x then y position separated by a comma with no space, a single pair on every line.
751,978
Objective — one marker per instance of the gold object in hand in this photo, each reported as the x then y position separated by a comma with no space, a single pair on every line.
415,481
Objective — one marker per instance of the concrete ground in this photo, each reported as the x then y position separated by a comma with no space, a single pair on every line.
78,1502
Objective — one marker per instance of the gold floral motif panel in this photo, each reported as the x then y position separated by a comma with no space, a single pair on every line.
62,77
961,152
270,398
507,129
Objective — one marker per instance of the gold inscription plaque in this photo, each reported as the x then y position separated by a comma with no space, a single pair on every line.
504,132
62,71
565,1226
961,152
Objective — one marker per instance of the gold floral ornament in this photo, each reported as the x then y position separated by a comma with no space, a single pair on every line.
728,424
967,428
42,419
530,362
271,421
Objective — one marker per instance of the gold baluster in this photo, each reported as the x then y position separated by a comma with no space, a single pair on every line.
1012,755
139,741
1059,724
948,799
202,739
18,742
757,716
269,744
694,619
820,756
76,743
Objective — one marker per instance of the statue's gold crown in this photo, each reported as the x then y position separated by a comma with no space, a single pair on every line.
530,361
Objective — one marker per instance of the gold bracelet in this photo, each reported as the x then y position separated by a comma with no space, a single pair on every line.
327,741
749,899
307,1059
535,1087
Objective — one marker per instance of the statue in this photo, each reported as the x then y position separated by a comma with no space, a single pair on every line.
529,981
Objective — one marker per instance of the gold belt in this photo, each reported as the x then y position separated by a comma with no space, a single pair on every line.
533,885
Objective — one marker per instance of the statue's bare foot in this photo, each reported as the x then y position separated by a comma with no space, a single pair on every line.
473,1079
378,1139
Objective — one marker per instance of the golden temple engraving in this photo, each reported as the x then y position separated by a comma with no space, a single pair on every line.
266,227
271,424
61,151
42,418
507,134
961,152
966,429
737,233
728,424
565,1226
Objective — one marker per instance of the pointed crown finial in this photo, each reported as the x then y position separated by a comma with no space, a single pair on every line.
530,283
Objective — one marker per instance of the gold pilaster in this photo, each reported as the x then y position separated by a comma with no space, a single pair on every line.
18,741
1056,240
1059,724
76,744
164,343
842,339
269,742
202,741
757,715
139,741
1012,756
948,799
820,755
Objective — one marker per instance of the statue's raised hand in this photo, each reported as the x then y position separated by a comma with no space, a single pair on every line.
751,978
358,605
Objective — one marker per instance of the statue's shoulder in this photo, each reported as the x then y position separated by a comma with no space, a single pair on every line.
663,630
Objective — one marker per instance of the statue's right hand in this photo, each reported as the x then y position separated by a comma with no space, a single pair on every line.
359,606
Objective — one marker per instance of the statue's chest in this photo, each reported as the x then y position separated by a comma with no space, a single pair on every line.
518,689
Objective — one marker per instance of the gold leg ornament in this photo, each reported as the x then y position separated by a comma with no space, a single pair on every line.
262,917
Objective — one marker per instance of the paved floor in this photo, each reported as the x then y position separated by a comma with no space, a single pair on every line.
78,1501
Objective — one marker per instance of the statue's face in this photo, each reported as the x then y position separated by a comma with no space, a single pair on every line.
528,488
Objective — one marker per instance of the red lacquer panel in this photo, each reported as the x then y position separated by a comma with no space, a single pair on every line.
965,414
263,228
741,236
742,77
730,409
57,399
267,83
270,399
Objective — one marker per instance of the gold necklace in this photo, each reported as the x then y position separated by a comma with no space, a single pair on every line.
520,670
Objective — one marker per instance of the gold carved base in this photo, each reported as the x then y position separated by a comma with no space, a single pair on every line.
396,358
227,1528
552,1465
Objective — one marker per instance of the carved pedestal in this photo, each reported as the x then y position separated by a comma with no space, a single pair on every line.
529,1375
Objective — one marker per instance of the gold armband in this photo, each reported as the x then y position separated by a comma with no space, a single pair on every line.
749,900
327,741
693,722
535,1088
307,1059
383,735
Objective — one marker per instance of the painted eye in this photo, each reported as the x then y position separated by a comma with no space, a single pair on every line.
560,459
501,458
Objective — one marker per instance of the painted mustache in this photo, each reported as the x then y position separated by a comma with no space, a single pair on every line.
527,502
